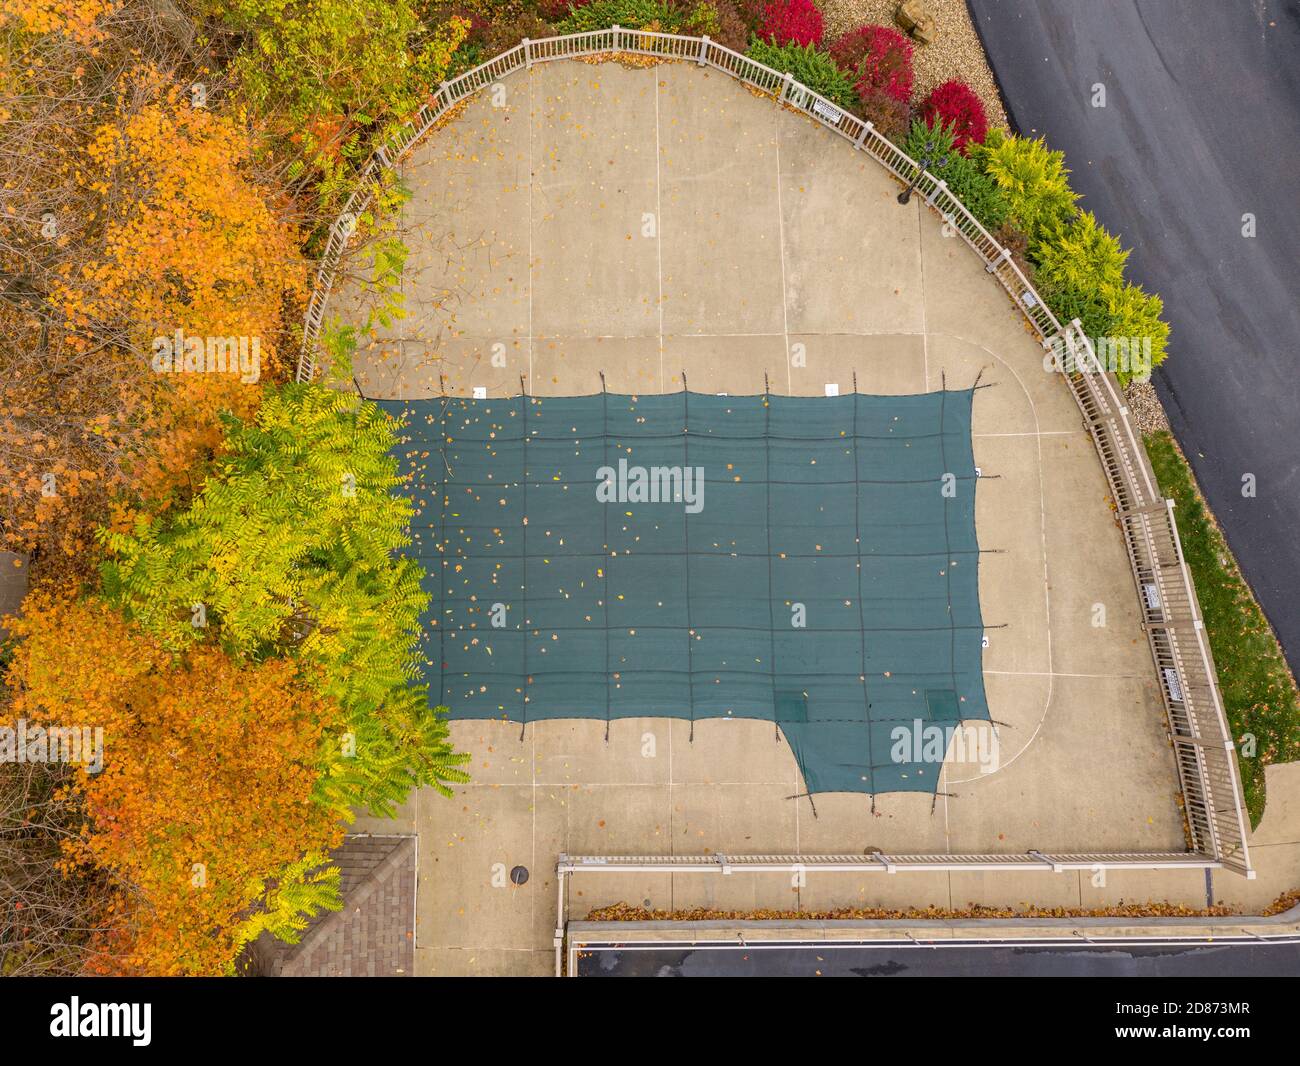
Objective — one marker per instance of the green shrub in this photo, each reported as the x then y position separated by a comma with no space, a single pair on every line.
1080,254
630,14
1134,314
329,76
1033,179
813,68
1077,263
967,182
702,20
468,56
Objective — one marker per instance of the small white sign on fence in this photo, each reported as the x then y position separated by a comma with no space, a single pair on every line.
830,114
1173,684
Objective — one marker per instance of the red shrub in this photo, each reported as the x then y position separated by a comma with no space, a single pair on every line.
888,115
784,21
478,24
751,11
554,10
955,105
736,19
878,60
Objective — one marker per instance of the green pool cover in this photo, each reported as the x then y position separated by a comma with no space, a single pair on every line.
807,561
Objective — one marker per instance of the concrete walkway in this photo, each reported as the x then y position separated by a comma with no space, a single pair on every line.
666,224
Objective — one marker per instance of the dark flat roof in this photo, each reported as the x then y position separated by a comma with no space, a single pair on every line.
1184,957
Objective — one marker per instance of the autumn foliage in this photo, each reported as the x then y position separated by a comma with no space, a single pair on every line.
785,22
208,785
955,105
878,60
557,9
293,549
143,215
189,236
168,170
324,80
78,20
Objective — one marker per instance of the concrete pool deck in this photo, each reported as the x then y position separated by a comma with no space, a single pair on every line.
650,224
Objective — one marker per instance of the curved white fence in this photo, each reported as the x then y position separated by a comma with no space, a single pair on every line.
1185,670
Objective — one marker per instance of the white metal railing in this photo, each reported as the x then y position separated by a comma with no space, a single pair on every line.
567,866
879,862
1185,670
1171,616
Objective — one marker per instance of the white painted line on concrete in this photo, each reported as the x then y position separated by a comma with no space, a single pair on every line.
1058,673
780,229
925,329
659,241
531,181
1047,596
1036,433
925,382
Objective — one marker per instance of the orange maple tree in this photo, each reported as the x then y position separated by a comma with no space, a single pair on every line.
145,215
77,19
207,791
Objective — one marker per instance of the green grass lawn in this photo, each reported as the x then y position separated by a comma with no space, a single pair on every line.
1259,693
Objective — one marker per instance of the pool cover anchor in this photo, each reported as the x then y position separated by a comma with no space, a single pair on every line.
812,803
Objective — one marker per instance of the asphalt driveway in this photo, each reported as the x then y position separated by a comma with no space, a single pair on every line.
1201,127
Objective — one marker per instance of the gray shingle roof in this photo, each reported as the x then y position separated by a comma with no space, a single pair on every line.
373,935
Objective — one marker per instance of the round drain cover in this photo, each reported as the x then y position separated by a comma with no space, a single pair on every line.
519,875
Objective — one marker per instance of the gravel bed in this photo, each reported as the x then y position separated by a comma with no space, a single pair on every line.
957,53
1144,406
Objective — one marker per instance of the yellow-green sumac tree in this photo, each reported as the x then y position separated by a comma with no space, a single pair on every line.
291,549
